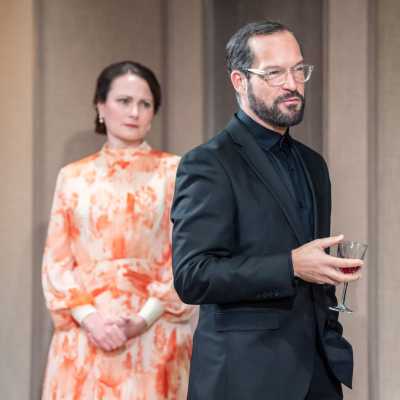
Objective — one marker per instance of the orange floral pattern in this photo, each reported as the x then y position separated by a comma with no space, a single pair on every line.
109,245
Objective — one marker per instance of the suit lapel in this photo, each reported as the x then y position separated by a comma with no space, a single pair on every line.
266,172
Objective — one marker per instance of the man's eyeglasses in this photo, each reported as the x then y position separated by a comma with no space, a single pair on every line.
276,76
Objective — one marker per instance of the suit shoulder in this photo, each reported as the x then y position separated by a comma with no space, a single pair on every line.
211,149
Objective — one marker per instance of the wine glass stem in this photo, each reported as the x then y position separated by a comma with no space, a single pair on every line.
344,292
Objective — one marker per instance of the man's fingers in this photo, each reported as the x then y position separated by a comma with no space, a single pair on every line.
332,276
335,276
349,277
346,262
342,277
353,277
331,282
329,241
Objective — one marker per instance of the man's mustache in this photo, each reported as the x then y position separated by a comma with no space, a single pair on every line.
290,95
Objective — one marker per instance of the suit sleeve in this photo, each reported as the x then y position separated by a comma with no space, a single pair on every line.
206,265
329,290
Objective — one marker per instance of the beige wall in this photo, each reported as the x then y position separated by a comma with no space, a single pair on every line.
387,194
16,126
52,51
184,86
346,135
363,150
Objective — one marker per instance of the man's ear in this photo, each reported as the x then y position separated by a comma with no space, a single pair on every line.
239,82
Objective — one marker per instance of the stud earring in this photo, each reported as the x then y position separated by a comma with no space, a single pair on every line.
101,119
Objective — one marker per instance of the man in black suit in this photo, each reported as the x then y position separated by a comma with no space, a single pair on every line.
251,220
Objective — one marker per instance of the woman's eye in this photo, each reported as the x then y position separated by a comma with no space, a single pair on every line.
123,101
146,104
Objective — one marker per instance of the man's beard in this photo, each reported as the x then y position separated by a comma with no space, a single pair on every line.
273,115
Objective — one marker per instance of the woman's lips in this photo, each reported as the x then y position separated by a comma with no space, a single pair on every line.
131,125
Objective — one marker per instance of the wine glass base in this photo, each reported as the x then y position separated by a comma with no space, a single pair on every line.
341,308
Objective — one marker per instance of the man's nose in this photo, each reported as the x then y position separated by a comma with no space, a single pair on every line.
290,82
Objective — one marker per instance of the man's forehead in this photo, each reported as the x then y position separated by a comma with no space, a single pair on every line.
279,45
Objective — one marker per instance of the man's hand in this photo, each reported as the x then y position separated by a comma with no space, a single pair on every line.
312,264
104,333
132,326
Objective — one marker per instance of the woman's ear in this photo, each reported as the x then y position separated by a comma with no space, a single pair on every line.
100,110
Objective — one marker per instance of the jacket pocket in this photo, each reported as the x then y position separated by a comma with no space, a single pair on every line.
235,320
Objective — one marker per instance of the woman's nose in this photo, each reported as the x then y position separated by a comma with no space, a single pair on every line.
134,111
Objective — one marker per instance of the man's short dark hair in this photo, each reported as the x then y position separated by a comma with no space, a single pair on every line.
239,55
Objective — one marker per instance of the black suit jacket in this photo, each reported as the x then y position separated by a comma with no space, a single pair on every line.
235,225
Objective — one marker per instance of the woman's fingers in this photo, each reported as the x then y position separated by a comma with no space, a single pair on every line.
104,333
116,336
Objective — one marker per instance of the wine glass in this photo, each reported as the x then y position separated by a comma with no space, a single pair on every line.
348,249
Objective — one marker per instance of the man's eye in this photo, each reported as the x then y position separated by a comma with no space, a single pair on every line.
274,73
299,68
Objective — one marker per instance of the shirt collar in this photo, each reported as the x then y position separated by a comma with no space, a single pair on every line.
266,138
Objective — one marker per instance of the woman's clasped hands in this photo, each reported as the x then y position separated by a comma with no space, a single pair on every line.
108,333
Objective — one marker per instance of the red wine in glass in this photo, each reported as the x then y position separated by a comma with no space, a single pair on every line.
350,270
348,249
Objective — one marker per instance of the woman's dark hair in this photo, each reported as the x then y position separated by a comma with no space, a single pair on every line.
113,71
238,52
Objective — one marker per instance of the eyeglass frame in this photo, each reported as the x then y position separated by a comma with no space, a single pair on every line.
262,73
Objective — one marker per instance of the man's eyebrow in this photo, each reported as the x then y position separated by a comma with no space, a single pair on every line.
280,66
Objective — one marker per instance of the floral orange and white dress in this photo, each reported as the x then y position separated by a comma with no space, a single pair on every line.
109,247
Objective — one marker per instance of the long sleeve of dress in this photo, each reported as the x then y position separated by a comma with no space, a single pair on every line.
61,289
162,288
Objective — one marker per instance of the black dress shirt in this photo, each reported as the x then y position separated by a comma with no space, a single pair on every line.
280,151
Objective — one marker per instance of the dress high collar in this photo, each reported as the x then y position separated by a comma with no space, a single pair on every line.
115,154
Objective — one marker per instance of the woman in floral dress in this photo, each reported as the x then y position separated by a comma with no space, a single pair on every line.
120,331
